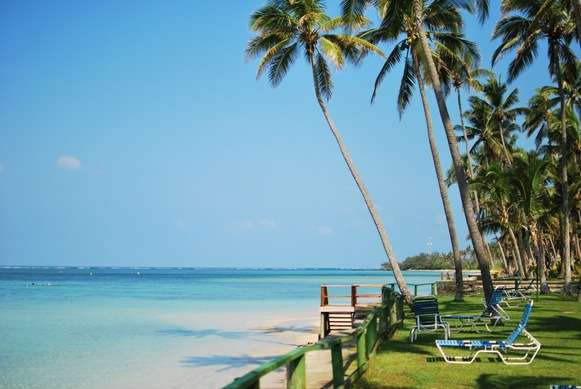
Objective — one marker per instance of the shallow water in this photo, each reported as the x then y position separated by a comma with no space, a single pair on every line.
156,327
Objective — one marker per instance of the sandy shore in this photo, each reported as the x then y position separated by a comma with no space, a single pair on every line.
211,358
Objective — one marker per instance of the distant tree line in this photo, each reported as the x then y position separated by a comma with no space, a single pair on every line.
436,261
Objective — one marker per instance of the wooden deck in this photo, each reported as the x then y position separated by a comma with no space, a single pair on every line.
342,306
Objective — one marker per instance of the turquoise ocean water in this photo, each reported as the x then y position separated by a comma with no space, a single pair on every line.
112,327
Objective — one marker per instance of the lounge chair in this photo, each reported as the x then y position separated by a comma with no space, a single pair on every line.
499,348
512,294
493,313
428,317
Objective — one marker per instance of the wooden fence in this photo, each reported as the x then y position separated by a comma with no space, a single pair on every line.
379,325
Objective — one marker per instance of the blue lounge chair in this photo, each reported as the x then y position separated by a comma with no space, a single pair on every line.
493,313
500,348
428,317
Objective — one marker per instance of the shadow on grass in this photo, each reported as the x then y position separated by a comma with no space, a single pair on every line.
559,323
364,383
402,346
497,381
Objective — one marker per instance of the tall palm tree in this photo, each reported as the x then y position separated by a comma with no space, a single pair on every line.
524,25
443,22
286,27
356,8
464,74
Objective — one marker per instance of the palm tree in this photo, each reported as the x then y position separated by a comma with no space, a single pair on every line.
443,22
529,180
493,183
499,111
524,25
464,74
355,8
286,27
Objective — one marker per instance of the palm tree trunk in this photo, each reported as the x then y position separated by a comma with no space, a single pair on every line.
539,254
441,182
553,250
567,289
523,254
502,256
468,156
386,243
577,247
506,153
475,236
577,12
518,258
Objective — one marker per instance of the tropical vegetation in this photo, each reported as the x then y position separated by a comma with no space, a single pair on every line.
436,261
519,170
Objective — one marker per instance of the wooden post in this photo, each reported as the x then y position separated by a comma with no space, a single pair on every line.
361,357
296,377
337,364
255,385
415,290
324,328
324,296
353,295
371,336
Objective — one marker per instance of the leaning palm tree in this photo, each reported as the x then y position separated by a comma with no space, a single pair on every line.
391,9
522,28
443,23
285,28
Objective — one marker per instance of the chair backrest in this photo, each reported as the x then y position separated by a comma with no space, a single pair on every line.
522,324
426,305
495,299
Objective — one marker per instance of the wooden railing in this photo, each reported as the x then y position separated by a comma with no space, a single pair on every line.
355,297
379,325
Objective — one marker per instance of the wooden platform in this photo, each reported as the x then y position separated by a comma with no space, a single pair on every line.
359,301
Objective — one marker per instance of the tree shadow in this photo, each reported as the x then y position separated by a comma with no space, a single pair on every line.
364,383
559,323
305,329
227,361
183,332
404,347
497,381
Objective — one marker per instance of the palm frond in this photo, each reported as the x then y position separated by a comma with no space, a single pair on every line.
392,59
280,63
323,75
406,88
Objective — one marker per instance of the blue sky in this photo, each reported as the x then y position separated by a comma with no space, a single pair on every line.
135,133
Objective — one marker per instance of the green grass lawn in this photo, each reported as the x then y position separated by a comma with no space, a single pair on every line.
555,322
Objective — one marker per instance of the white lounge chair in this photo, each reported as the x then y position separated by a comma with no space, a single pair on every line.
500,348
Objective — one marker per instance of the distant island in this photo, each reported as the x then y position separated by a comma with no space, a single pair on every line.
436,261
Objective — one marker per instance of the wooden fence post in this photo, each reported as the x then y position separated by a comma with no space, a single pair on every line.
371,335
361,357
353,295
296,373
435,289
337,365
324,296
